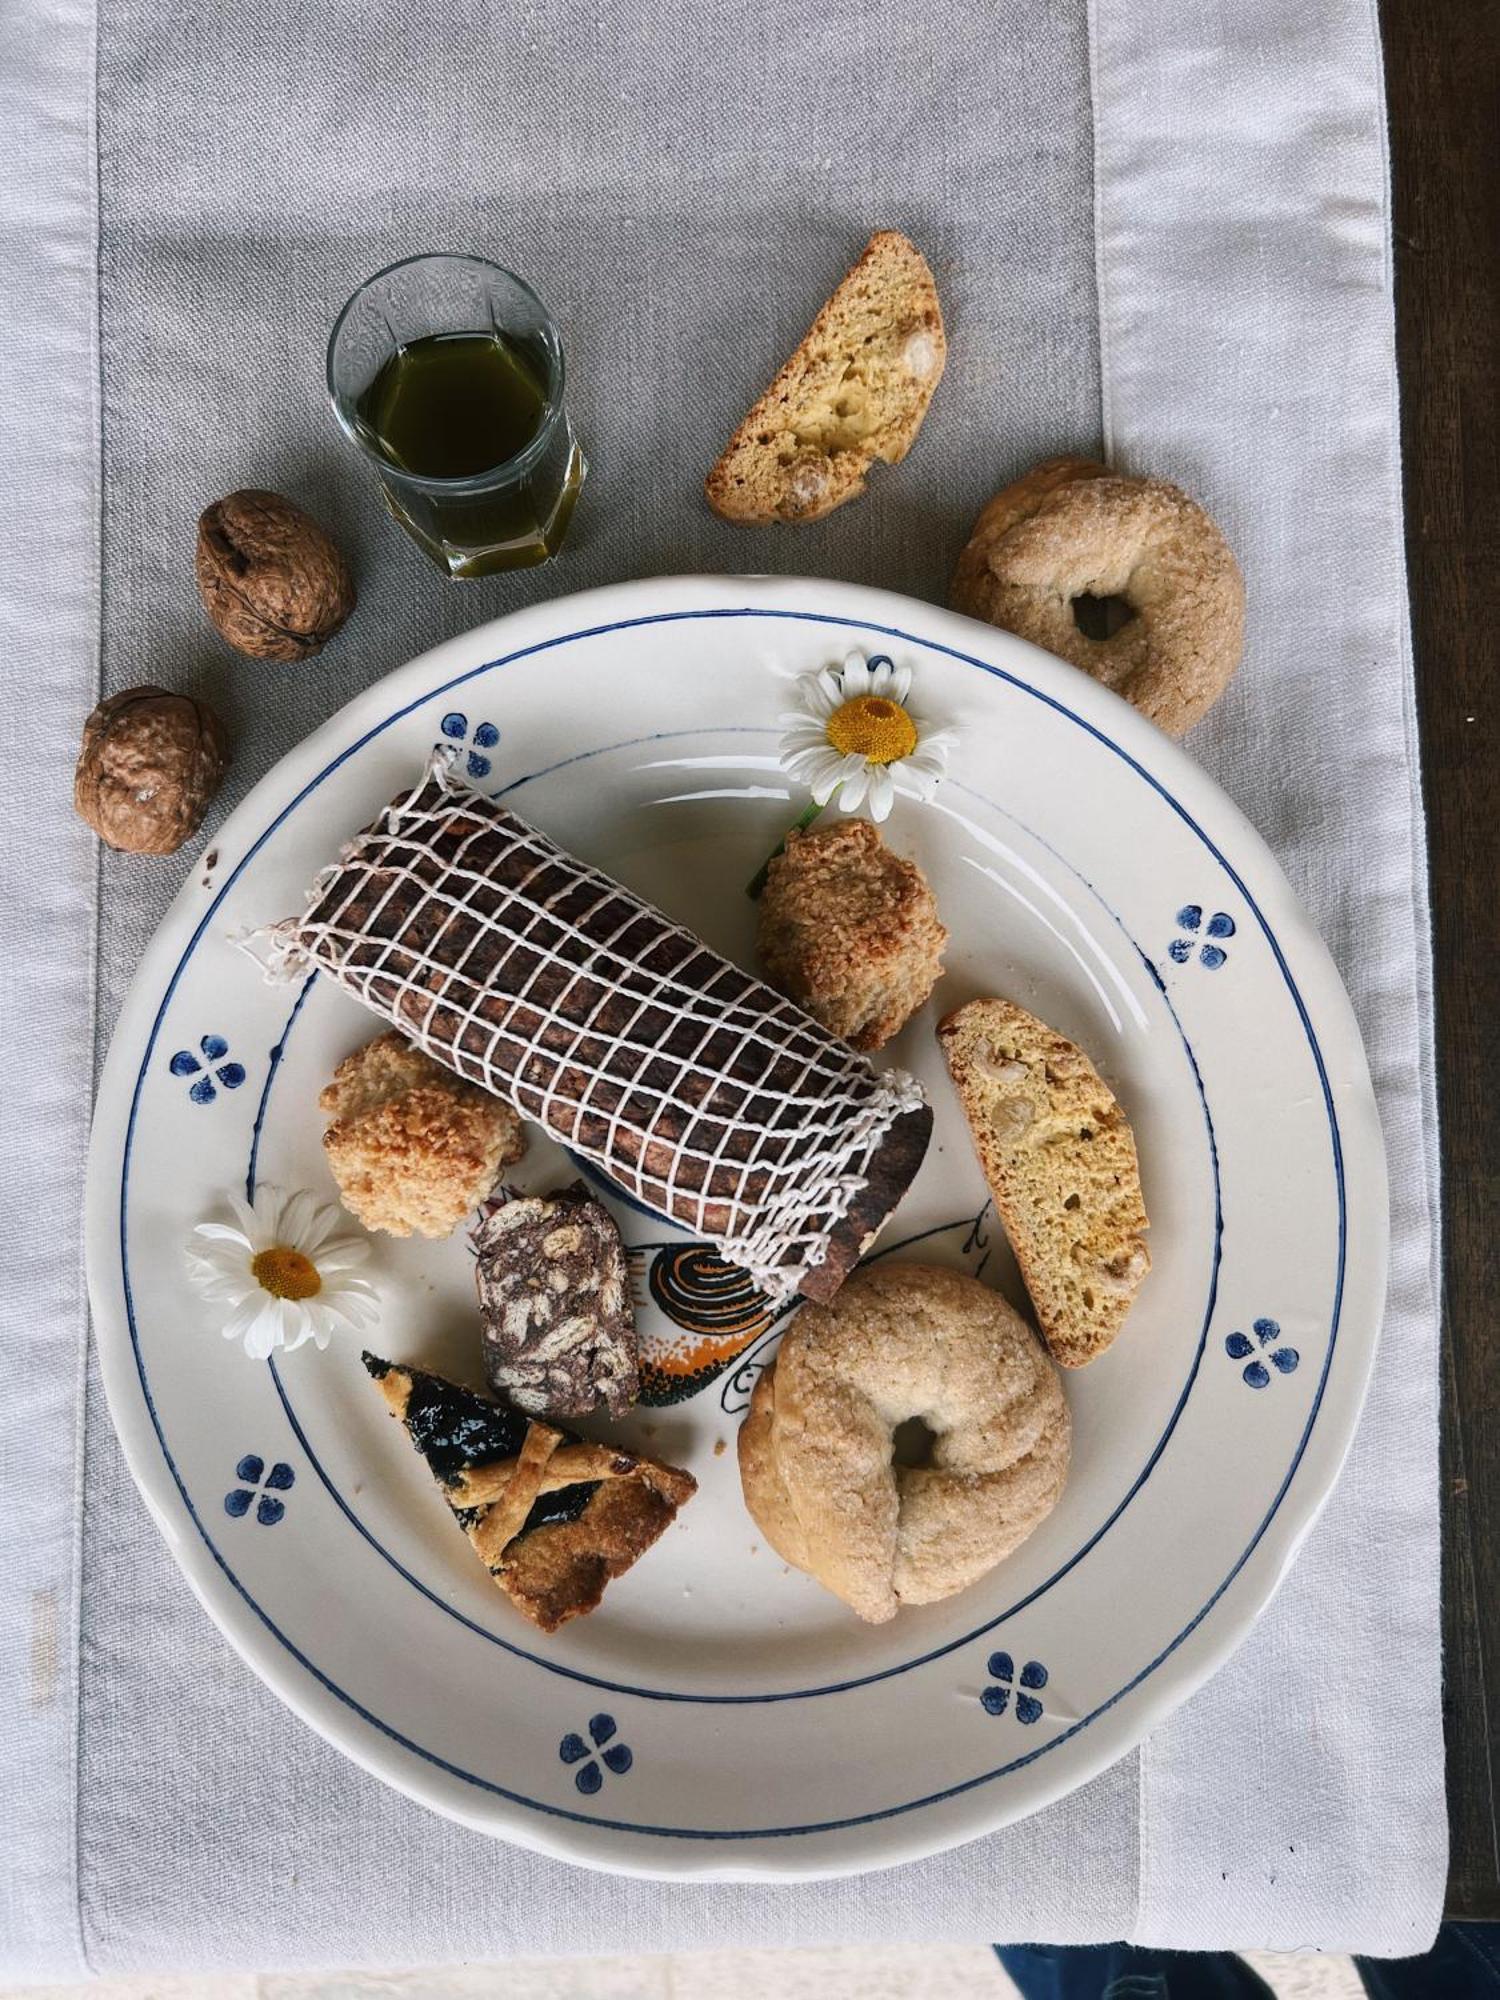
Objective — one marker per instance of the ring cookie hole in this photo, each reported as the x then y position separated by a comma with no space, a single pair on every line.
911,1444
1101,617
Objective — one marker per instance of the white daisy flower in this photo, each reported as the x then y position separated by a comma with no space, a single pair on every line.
283,1270
855,733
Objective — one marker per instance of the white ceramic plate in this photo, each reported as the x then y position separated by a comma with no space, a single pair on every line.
1087,869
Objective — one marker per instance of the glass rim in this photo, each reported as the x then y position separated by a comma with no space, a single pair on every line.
364,439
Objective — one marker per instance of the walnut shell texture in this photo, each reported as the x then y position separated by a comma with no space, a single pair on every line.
151,761
271,580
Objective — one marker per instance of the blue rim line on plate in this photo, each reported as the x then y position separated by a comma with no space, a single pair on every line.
902,1667
968,1784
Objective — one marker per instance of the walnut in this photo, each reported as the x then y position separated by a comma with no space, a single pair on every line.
151,761
270,579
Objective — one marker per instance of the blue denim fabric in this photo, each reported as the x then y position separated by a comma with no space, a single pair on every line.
1464,1964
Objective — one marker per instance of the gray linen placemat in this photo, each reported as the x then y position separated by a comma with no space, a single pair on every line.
683,184
702,179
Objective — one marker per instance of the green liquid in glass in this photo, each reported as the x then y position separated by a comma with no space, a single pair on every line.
460,406
454,404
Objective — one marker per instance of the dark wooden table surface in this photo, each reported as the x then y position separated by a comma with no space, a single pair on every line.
1442,61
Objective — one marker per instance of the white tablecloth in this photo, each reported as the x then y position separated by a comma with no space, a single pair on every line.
1214,302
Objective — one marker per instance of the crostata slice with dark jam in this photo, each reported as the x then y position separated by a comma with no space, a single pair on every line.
553,1518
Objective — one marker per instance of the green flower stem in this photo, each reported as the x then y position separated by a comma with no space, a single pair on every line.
757,881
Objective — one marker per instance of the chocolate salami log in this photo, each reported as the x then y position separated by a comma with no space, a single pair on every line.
697,1089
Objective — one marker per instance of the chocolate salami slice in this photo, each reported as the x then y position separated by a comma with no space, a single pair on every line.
704,1095
554,1292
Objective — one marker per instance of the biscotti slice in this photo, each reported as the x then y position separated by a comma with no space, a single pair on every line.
1060,1160
856,390
552,1518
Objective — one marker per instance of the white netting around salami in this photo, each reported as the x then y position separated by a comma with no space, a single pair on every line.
699,1090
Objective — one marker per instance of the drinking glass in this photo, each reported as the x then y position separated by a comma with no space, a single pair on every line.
512,514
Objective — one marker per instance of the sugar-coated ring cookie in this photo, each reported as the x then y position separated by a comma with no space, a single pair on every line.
1073,529
900,1341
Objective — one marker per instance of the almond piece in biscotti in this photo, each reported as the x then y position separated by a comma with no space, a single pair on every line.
1060,1160
856,390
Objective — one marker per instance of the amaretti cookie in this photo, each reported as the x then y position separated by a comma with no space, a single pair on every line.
413,1147
850,931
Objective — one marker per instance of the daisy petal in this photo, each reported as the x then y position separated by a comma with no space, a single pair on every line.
349,1311
263,1333
243,1212
814,737
299,1217
222,1232
325,1228
239,1322
882,794
341,1255
262,1221
209,1276
222,1291
856,678
853,787
213,1260
822,774
344,1240
903,685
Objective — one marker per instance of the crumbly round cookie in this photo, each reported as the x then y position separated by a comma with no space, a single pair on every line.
413,1147
850,932
901,1341
1073,529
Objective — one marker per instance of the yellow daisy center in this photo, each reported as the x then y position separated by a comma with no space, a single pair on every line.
286,1274
872,727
